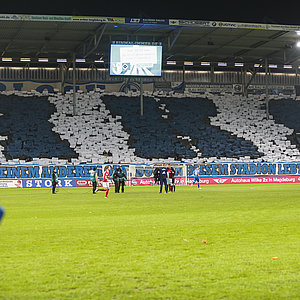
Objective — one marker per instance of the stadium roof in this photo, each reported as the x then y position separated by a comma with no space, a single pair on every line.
58,37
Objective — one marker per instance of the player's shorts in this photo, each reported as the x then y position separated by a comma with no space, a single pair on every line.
105,184
196,179
169,180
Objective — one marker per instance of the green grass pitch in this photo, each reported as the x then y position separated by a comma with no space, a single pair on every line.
143,245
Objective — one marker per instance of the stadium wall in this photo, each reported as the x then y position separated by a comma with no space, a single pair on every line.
35,176
124,86
87,79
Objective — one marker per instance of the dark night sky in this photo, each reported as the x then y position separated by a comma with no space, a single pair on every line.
281,12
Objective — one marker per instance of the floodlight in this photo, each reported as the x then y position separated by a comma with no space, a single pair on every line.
6,59
43,59
188,63
205,63
25,59
171,62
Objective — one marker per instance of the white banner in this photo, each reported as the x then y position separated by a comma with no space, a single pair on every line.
11,183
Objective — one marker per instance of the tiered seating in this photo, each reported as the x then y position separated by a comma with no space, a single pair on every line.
287,112
190,117
151,135
211,128
93,132
247,118
24,123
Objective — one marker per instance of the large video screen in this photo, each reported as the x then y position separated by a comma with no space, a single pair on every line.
135,59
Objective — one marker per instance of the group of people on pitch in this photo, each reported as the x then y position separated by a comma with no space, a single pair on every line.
165,176
105,181
119,178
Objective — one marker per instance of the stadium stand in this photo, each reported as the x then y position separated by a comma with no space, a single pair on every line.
247,118
190,117
108,128
24,123
286,111
151,135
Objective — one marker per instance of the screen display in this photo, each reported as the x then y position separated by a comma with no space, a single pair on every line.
135,60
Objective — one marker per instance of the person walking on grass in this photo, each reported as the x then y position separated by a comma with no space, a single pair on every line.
123,178
54,180
94,179
105,181
116,178
196,177
1,213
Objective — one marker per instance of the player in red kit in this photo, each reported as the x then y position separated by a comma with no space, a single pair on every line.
171,178
105,181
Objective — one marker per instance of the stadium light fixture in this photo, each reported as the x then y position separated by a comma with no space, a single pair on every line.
25,59
205,63
188,63
272,66
61,60
6,59
80,60
238,64
171,62
43,59
287,66
99,61
222,64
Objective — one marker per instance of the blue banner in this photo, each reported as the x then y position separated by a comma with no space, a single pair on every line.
14,172
42,183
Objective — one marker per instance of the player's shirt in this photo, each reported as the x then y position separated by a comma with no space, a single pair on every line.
197,172
163,173
54,177
106,176
93,176
169,173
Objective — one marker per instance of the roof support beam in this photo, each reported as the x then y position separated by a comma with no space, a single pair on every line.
171,44
91,43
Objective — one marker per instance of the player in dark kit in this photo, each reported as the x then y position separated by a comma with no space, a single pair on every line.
1,213
156,175
163,178
54,181
123,177
94,179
